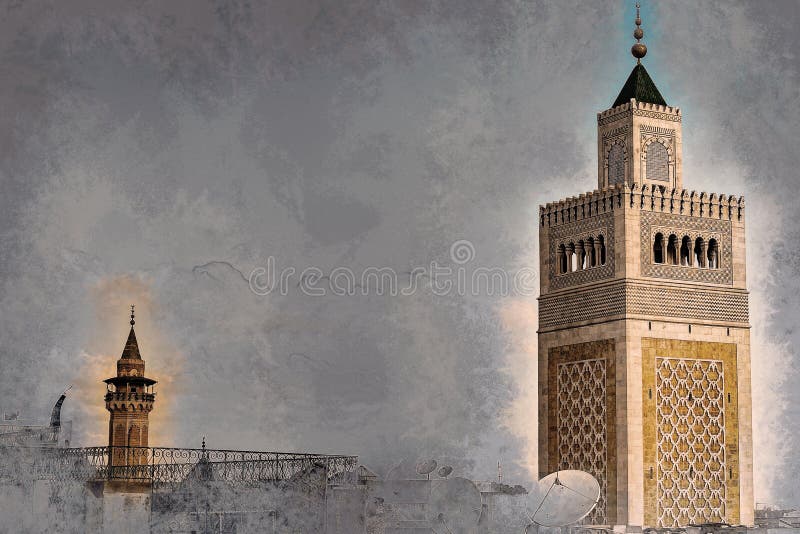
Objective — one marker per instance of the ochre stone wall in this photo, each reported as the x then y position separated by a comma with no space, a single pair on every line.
693,452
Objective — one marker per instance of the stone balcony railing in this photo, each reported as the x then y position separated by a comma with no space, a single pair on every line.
122,396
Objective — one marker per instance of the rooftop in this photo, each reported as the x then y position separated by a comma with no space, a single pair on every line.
640,86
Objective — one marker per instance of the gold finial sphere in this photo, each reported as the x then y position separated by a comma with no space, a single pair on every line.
132,316
639,50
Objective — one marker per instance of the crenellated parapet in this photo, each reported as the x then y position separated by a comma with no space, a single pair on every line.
641,109
684,202
583,206
644,197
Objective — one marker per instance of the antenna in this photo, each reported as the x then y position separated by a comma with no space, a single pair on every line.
563,498
499,473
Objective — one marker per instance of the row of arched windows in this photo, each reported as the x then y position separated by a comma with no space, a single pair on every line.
136,436
580,255
683,251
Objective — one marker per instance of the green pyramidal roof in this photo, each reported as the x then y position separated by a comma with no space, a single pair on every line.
640,86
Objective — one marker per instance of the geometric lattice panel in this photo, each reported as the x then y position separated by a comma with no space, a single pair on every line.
690,436
581,415
616,164
691,445
657,162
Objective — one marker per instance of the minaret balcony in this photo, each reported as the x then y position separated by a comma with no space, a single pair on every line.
124,396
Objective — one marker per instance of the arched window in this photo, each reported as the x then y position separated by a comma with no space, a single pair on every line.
658,248
133,436
119,436
591,253
581,252
562,259
602,243
657,162
616,164
699,256
686,245
713,254
572,258
672,250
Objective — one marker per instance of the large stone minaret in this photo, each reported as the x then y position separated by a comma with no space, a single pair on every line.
644,335
129,398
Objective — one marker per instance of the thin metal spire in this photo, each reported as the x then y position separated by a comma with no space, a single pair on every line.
639,50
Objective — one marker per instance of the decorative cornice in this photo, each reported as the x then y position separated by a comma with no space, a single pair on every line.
628,299
622,130
657,115
656,130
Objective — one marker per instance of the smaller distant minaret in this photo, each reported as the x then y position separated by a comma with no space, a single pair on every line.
129,398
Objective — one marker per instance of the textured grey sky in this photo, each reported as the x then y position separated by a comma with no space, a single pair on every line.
152,152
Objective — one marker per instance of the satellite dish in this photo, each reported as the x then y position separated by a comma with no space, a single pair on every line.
426,467
454,506
444,471
563,498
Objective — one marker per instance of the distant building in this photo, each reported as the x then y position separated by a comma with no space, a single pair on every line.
18,432
771,517
130,486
